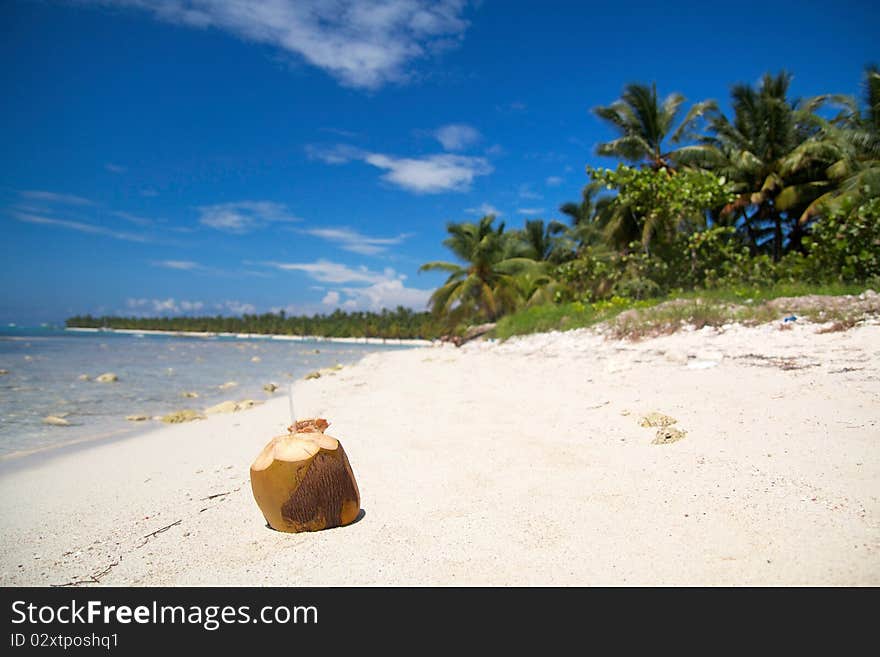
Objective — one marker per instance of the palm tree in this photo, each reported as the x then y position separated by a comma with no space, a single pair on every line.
542,243
643,122
588,217
761,151
849,146
485,287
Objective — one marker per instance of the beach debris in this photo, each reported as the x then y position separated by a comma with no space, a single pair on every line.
312,375
790,318
189,394
154,534
335,368
655,419
56,421
94,578
185,415
107,377
702,364
83,377
256,359
472,333
230,406
302,481
228,385
137,418
666,435
270,387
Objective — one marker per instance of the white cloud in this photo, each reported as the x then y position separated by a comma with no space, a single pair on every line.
457,136
115,168
236,307
352,240
483,209
530,211
386,294
362,43
78,226
243,216
163,306
183,265
384,289
429,174
553,181
52,197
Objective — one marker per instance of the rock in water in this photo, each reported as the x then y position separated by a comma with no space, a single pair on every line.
137,418
256,359
56,421
83,377
270,388
107,377
312,375
4,372
302,481
666,435
185,415
222,407
189,394
228,385
656,420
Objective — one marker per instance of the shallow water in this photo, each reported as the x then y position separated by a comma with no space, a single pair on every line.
154,370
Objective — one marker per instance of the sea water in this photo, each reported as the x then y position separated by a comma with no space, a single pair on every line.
44,366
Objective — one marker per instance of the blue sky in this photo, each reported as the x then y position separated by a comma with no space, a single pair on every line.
208,156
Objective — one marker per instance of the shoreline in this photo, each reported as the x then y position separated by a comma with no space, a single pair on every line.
775,482
260,336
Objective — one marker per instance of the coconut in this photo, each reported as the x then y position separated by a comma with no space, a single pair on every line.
302,481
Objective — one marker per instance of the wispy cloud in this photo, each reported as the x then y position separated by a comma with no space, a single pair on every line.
457,136
133,218
530,211
525,191
78,226
115,168
483,209
54,198
364,289
182,265
553,181
334,272
429,174
360,43
352,240
244,216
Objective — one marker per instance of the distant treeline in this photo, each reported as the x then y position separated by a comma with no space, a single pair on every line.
399,323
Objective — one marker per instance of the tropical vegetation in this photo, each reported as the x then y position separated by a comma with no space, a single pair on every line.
780,192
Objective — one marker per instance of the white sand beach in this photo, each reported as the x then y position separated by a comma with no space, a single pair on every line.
517,463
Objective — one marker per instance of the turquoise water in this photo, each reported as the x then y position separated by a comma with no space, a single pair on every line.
154,370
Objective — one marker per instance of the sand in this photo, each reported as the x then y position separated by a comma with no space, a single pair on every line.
517,463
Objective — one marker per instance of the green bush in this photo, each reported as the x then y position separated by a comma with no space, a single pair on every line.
845,245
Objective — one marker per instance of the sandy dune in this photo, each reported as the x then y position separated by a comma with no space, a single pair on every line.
520,463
